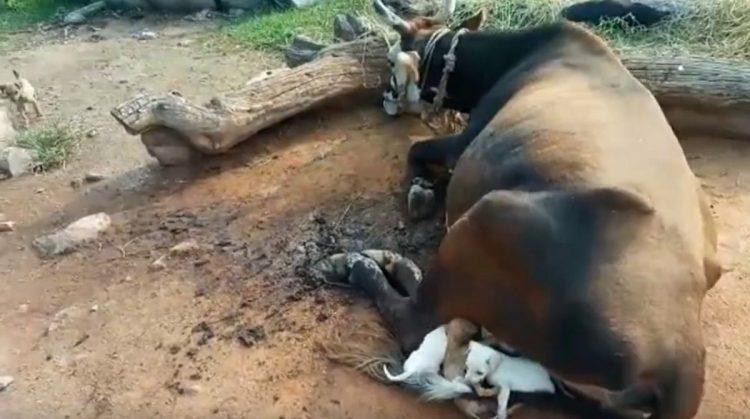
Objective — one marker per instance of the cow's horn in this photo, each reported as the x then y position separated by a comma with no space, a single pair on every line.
400,25
445,13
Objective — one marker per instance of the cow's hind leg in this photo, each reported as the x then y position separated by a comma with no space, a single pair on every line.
430,162
399,312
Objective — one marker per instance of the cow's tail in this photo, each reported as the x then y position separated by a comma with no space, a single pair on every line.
401,377
433,386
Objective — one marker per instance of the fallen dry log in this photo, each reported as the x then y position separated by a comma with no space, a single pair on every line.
699,97
265,101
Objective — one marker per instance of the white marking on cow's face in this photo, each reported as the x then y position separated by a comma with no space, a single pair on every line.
402,93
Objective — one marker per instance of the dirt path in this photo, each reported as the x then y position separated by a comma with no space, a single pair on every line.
235,330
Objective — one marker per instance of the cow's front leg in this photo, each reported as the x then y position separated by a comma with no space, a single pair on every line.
430,162
405,321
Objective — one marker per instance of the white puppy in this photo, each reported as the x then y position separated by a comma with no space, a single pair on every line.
505,374
422,367
426,359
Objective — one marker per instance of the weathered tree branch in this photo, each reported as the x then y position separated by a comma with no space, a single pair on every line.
698,96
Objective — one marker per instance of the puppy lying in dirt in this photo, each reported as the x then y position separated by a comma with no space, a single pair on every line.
21,92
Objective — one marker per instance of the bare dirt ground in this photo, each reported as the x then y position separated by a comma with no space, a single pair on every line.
235,330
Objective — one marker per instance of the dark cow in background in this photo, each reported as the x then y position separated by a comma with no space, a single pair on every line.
576,232
645,13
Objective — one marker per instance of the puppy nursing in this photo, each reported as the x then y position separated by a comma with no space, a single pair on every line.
422,369
504,374
483,365
22,93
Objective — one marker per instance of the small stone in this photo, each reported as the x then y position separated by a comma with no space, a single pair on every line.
93,177
299,4
401,226
92,133
158,264
185,248
94,308
23,308
6,226
5,381
145,35
68,240
192,389
7,132
249,336
17,161
74,18
185,43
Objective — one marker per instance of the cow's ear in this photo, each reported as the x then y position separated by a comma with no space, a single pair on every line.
615,198
475,22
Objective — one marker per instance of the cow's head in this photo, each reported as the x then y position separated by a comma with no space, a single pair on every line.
407,57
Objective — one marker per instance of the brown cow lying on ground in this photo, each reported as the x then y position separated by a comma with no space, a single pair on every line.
577,233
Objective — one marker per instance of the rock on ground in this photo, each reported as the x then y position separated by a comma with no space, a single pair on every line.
68,240
5,381
185,248
295,3
17,161
7,132
6,226
93,177
158,264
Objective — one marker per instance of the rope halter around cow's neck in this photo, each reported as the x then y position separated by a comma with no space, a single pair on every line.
449,64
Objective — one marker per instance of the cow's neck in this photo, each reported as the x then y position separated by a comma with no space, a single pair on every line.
483,58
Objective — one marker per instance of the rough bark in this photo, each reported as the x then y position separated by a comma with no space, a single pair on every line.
698,96
265,101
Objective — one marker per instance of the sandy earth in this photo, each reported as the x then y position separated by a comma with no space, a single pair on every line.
235,330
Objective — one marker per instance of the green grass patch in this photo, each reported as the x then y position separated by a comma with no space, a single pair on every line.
53,144
274,29
19,14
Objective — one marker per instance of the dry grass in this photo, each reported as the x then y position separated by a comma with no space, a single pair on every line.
717,28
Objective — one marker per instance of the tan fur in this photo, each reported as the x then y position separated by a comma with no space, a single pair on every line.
22,93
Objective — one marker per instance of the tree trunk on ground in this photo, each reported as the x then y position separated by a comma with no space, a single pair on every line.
698,96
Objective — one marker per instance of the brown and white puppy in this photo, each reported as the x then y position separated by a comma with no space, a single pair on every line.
21,92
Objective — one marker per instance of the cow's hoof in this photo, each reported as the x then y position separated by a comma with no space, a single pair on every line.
394,264
400,270
367,276
421,199
333,269
337,269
